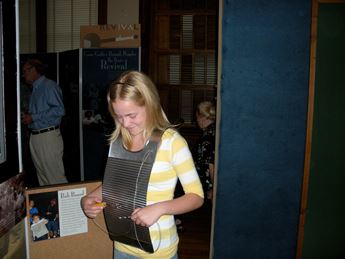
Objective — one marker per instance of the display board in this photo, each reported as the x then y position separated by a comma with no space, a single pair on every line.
262,130
12,205
100,66
324,228
74,235
2,113
10,166
110,36
70,124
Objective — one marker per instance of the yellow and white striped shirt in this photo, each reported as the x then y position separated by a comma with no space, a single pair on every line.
173,161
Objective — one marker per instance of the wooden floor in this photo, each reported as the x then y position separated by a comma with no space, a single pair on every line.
195,238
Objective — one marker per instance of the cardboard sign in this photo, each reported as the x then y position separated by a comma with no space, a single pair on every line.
71,241
110,36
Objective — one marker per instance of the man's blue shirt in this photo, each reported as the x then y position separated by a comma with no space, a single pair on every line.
46,105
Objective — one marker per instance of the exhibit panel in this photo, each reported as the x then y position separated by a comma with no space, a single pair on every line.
68,234
12,214
322,234
69,78
12,206
99,67
9,159
264,99
2,113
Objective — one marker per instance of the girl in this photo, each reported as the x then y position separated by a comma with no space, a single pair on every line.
134,104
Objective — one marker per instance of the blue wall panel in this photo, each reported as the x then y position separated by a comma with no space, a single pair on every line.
264,95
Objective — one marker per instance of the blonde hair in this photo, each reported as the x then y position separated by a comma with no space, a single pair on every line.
137,87
207,109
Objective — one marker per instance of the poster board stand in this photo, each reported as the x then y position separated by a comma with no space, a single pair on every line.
110,36
89,240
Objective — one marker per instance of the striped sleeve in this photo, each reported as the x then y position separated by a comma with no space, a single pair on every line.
183,164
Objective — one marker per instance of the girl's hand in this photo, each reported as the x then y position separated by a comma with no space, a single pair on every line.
90,207
146,216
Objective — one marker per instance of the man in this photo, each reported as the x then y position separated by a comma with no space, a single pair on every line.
43,119
52,214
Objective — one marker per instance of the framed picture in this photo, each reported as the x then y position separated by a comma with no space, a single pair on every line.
2,105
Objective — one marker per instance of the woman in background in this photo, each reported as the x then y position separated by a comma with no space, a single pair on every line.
204,150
